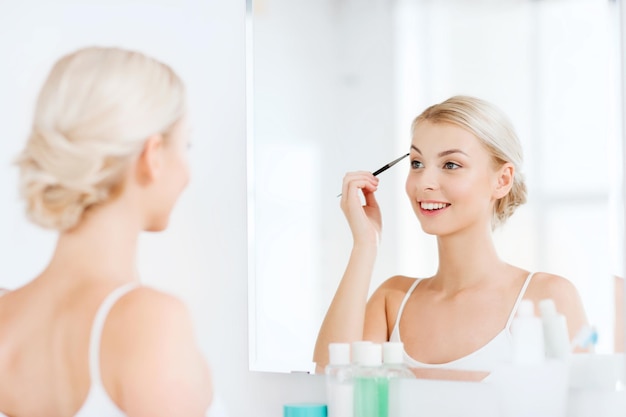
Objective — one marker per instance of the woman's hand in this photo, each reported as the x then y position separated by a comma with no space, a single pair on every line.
364,220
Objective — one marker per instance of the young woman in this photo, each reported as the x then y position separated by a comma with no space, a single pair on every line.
464,180
106,160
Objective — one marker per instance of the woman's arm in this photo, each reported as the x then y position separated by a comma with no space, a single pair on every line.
158,370
345,318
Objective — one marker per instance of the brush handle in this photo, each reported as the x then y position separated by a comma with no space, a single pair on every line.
389,165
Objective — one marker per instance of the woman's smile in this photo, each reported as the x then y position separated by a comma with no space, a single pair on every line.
432,208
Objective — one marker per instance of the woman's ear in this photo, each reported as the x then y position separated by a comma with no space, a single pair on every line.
150,161
505,177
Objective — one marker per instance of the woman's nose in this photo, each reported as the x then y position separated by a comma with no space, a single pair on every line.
428,180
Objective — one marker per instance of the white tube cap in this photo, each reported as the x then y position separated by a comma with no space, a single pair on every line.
547,307
393,352
339,353
372,354
357,351
526,308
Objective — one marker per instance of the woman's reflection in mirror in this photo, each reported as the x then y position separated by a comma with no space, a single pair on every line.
464,181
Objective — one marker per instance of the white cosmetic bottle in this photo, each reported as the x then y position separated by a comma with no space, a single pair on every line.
393,361
339,384
527,333
532,386
554,330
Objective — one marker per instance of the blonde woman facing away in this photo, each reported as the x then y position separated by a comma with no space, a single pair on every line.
106,160
464,180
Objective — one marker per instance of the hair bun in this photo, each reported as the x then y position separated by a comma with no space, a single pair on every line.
57,180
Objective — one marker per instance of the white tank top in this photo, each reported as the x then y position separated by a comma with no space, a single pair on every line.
98,403
497,351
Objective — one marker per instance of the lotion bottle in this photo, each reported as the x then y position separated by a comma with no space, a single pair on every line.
393,361
527,333
554,330
393,367
339,384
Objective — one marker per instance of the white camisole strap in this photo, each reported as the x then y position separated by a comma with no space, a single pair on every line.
98,325
404,300
98,402
520,296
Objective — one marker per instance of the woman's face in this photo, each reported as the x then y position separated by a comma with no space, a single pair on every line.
451,180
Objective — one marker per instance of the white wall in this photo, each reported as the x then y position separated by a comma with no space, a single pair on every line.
202,257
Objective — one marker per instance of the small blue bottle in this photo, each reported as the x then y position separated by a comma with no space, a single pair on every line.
305,410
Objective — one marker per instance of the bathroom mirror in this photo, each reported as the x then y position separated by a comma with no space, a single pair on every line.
333,86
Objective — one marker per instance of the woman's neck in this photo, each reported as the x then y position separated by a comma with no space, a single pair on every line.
467,260
102,247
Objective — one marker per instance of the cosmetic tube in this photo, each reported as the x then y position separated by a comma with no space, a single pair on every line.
555,332
527,334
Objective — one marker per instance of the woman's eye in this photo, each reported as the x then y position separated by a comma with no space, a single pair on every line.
416,164
451,165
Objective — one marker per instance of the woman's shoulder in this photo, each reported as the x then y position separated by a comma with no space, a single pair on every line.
143,298
148,313
565,296
146,329
390,293
548,285
397,283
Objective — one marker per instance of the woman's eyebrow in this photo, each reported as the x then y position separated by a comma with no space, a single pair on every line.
442,153
451,151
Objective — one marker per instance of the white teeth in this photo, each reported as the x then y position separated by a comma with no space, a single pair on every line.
433,206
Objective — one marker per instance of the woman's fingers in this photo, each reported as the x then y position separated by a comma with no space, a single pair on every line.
364,220
370,199
361,180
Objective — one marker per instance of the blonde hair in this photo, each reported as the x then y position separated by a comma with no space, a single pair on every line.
495,131
93,115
